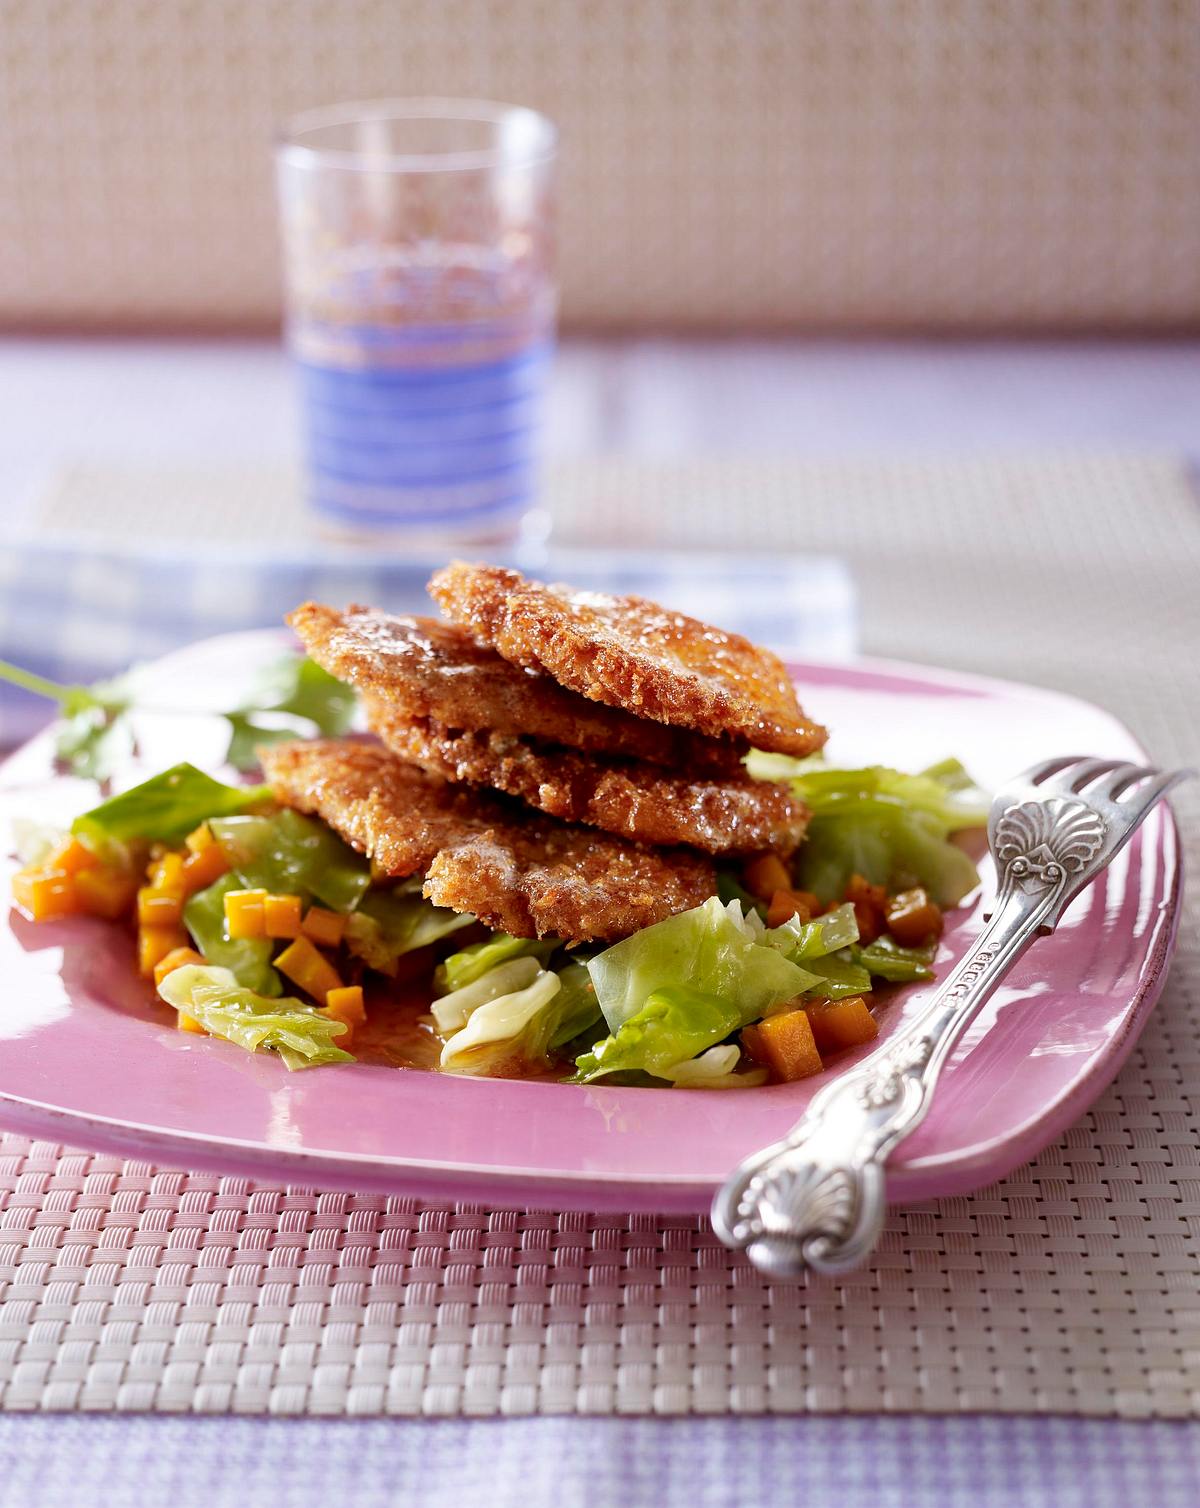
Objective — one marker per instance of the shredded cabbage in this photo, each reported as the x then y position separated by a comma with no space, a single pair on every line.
713,950
886,825
472,962
390,923
289,854
898,965
675,1024
453,1011
715,1069
505,1034
249,958
299,1033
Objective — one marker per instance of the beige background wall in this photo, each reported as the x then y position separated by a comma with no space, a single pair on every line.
755,163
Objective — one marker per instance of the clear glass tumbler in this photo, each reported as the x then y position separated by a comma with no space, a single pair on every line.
418,240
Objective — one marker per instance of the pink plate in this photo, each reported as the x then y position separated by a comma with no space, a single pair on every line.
84,1059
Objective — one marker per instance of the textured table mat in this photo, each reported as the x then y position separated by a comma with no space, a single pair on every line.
1070,1287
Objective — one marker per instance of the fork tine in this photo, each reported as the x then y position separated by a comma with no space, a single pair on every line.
1122,778
1145,796
1039,772
1088,770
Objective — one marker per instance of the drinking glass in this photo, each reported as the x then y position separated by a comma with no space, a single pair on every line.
418,241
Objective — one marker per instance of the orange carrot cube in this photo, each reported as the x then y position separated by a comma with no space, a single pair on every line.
244,914
788,903
786,1045
177,958
45,895
154,943
837,1024
324,927
158,908
189,1024
202,868
71,856
765,875
105,892
309,969
200,839
166,874
868,901
912,918
281,916
346,1005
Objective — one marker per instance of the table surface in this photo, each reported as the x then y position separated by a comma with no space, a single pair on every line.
149,402
165,403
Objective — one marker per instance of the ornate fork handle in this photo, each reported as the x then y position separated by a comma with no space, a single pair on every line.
816,1198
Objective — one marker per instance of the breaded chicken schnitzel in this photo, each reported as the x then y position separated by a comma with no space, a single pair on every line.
518,872
731,814
632,654
423,668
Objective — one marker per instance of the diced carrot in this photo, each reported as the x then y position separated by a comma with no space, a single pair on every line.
788,903
201,868
45,895
199,839
158,908
189,1024
912,918
175,959
281,916
244,914
868,901
105,892
309,969
346,1005
166,874
841,1023
765,875
71,856
154,943
324,927
787,1046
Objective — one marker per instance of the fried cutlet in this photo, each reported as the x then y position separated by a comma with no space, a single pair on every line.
518,872
731,814
632,654
423,668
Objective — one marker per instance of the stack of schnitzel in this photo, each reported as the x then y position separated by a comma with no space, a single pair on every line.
554,762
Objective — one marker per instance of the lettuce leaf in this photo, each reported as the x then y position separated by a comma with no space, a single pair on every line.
390,923
289,854
298,688
166,807
824,934
299,1033
886,958
248,958
576,1007
886,825
712,950
471,963
676,1023
838,976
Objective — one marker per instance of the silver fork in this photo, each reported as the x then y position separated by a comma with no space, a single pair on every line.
816,1198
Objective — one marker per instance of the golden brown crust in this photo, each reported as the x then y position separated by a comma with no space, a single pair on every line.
423,668
630,653
628,797
519,872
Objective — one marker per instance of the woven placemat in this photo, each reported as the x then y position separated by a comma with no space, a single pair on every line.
1068,1288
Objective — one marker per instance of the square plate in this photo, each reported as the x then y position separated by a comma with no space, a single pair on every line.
87,1059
